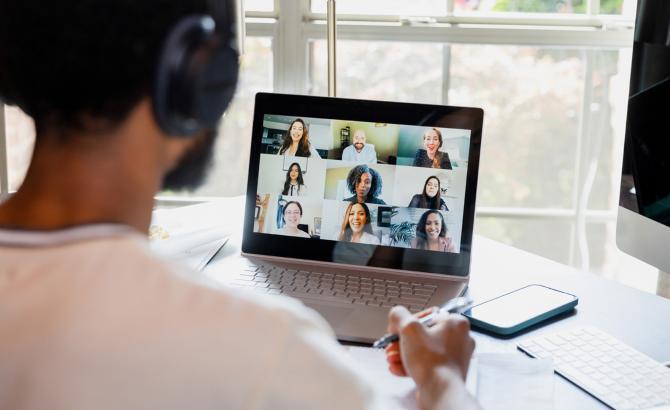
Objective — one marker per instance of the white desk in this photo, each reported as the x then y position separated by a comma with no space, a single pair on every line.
642,320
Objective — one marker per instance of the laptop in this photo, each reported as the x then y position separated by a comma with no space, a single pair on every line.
355,206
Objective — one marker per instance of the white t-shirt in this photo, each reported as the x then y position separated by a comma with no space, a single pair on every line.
369,239
296,190
301,234
90,319
368,155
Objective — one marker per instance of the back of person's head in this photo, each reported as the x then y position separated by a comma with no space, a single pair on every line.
82,65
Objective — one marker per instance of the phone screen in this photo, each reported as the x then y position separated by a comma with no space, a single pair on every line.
519,306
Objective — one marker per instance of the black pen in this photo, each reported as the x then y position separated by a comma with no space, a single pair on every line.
456,305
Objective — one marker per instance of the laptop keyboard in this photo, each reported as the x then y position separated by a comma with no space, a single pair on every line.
339,288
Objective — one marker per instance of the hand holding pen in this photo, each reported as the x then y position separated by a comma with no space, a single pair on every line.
428,318
434,357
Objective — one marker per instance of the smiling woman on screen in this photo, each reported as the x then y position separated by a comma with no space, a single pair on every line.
294,184
356,225
431,233
291,217
431,156
296,141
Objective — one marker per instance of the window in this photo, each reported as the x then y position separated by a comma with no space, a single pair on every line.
388,7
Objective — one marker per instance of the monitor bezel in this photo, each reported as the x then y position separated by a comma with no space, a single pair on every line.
305,249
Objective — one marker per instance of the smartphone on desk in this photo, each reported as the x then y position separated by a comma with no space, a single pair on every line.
519,309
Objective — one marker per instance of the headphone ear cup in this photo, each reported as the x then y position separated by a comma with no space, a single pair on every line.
214,82
195,78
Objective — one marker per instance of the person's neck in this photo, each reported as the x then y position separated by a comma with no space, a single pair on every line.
294,146
359,150
294,182
433,244
356,236
361,199
94,179
431,155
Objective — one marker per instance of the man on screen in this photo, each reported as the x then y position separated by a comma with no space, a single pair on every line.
359,151
90,319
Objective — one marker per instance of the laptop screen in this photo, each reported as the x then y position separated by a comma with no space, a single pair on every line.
349,185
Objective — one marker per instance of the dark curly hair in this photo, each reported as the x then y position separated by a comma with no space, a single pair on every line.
355,176
83,64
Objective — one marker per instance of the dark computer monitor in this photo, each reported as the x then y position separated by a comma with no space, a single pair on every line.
643,225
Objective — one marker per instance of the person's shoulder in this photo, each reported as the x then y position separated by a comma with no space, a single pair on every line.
446,162
420,155
313,152
371,238
443,205
168,286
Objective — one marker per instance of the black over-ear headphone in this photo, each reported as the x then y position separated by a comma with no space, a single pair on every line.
197,71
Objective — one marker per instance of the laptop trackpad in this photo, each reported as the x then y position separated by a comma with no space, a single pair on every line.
352,323
334,315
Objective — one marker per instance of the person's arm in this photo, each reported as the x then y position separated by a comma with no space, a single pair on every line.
313,153
346,154
446,162
372,157
450,245
437,358
418,159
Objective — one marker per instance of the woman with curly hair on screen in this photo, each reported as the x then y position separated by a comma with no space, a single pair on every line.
431,233
296,141
366,185
356,225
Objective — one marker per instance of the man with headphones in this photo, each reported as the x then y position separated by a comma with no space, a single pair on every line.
126,96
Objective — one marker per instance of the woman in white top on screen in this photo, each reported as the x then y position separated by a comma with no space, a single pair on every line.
291,217
356,226
296,141
431,233
294,184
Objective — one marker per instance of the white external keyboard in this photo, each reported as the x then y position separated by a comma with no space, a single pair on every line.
340,288
615,373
